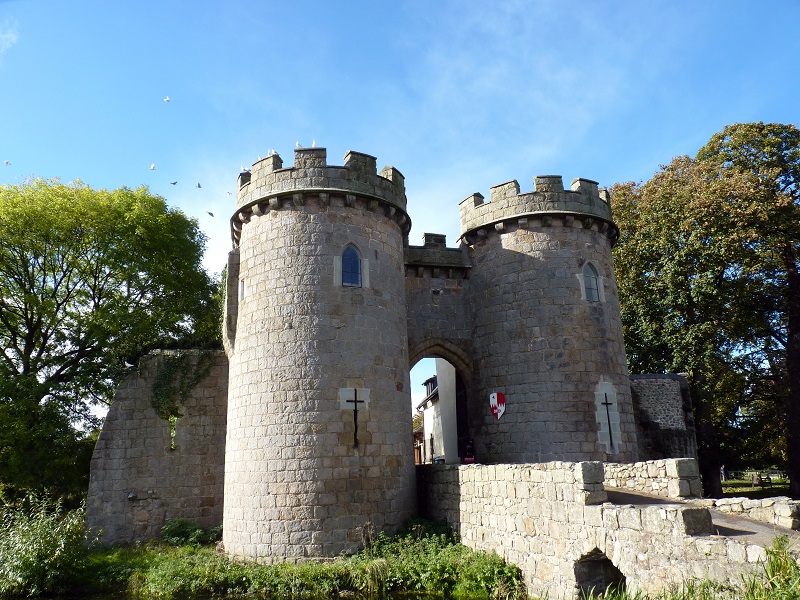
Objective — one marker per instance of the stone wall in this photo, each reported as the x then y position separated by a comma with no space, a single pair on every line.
780,510
437,291
140,474
552,520
670,478
665,422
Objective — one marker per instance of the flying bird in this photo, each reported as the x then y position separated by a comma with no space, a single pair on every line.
167,99
173,182
8,163
210,213
198,185
153,167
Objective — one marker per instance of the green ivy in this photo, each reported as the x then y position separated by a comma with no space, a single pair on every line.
178,374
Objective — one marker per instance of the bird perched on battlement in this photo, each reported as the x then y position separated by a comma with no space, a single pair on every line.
297,145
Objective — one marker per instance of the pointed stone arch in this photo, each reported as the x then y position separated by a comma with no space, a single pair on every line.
443,349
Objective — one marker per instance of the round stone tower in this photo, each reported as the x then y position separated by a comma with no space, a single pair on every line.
319,419
550,373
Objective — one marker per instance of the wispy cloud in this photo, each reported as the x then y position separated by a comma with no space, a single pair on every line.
8,36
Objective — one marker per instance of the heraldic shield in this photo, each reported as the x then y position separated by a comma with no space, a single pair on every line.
497,402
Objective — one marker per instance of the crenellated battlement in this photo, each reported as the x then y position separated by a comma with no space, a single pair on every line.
271,186
584,205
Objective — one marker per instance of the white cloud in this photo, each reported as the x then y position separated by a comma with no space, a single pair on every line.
8,36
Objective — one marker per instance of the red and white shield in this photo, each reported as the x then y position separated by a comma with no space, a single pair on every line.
497,402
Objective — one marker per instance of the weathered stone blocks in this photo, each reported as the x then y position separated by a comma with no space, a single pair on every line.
302,339
548,532
144,472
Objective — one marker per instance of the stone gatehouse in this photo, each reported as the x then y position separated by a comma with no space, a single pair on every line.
306,418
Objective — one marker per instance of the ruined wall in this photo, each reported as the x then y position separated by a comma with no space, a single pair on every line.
664,418
140,475
552,520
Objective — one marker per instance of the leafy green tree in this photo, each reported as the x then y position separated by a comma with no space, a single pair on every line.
764,219
89,280
705,266
677,296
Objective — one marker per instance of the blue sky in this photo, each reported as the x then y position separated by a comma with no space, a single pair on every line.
458,95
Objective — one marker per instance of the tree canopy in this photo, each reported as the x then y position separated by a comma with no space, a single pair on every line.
89,280
707,266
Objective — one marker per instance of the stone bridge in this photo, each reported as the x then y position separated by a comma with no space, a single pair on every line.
568,532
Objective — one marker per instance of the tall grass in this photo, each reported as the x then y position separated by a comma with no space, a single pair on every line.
42,547
424,559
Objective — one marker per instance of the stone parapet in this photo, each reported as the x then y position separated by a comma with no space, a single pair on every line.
268,186
435,259
780,510
546,519
669,478
583,206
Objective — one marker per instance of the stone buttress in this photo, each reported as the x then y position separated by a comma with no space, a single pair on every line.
319,417
547,330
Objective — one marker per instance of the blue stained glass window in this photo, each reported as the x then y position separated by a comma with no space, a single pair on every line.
351,267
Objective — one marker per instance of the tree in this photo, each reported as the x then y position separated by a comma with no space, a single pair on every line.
705,281
767,218
678,299
89,279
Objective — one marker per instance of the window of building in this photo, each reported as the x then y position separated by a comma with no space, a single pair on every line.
351,267
591,283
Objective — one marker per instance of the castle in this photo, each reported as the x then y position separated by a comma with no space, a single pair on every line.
304,426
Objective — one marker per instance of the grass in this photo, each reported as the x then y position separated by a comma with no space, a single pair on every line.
43,551
734,488
423,559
